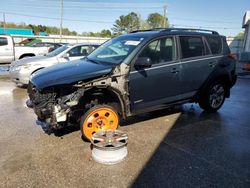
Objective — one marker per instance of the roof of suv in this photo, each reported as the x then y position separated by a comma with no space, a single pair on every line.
173,31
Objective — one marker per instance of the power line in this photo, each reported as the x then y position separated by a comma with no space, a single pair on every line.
94,21
108,6
4,22
208,21
92,7
96,8
202,27
54,18
91,4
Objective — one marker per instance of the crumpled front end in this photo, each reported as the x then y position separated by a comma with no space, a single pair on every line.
54,108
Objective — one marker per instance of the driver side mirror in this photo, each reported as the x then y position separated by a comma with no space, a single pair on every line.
65,56
143,62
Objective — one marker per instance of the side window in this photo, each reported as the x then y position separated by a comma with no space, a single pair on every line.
85,50
160,51
215,44
191,46
39,45
3,41
79,51
92,48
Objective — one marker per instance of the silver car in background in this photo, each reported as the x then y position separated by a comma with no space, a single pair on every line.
21,70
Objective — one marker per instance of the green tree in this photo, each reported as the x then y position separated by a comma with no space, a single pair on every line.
144,25
105,33
127,23
240,36
156,20
92,34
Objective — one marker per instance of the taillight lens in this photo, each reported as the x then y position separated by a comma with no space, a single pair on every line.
232,56
50,50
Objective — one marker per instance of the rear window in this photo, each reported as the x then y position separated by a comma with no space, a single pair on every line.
3,41
215,44
191,46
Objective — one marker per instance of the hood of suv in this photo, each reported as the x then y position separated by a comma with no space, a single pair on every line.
67,73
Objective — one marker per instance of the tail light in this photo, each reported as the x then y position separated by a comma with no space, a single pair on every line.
232,56
50,50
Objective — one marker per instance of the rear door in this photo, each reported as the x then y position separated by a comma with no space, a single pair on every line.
158,84
197,63
6,49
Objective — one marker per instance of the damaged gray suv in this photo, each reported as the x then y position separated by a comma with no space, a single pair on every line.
134,73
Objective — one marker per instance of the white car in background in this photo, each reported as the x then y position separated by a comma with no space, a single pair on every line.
9,52
21,70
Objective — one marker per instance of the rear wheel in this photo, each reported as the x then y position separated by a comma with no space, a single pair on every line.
98,118
213,97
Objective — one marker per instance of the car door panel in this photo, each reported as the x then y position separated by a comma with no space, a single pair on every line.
195,72
154,86
158,84
196,64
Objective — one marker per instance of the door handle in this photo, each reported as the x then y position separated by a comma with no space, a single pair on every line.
211,64
174,71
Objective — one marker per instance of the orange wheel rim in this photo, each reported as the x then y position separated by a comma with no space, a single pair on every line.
99,120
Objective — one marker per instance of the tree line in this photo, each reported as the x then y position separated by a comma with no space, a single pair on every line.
133,21
39,28
124,24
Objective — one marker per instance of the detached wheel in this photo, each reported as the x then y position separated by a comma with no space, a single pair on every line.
213,97
98,118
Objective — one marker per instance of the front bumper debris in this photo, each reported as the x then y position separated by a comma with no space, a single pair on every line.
45,126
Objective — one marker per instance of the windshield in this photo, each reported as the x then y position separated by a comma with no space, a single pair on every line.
57,51
115,50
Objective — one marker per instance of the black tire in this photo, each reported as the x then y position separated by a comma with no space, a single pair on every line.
213,96
86,136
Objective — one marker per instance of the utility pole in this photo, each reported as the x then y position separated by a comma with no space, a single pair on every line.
61,23
164,15
4,23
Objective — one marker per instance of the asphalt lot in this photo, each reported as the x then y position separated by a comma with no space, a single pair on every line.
183,147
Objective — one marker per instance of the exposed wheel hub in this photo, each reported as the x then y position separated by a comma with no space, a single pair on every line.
99,122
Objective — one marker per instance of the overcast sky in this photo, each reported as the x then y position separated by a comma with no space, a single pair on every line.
224,16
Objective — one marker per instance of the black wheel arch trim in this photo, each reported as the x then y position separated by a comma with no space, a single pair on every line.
225,78
124,109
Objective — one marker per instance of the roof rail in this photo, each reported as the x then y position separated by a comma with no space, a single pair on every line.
154,29
178,29
191,29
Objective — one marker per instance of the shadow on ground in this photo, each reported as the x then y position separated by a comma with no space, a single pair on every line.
204,150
